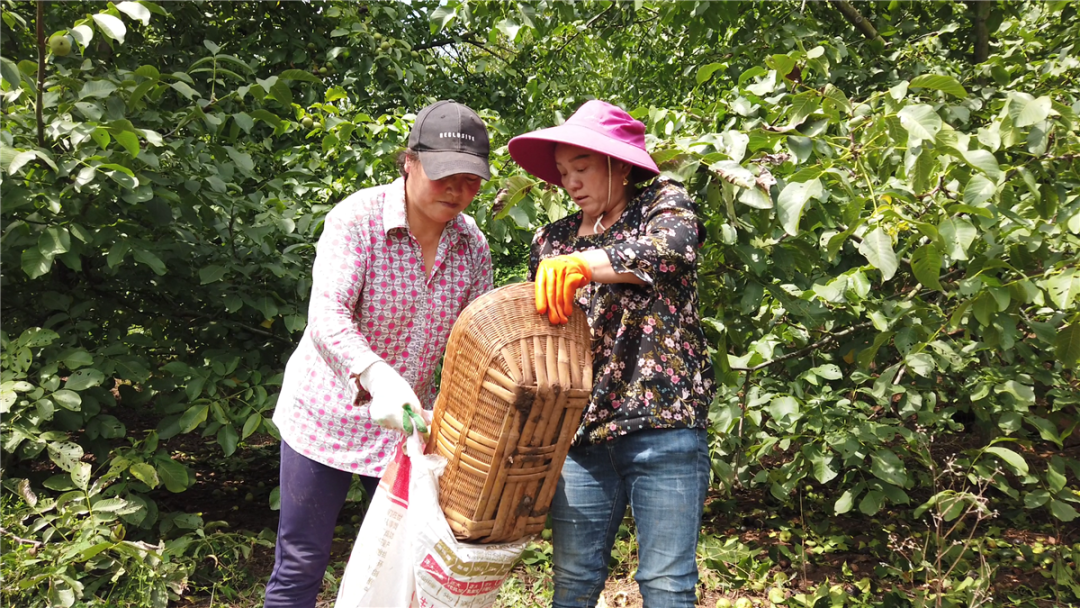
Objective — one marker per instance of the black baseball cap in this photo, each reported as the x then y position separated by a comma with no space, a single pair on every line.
450,138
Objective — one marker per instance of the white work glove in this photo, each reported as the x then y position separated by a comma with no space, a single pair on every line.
394,404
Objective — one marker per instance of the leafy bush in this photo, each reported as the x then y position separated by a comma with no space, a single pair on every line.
890,280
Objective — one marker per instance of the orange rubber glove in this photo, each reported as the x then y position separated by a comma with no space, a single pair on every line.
557,282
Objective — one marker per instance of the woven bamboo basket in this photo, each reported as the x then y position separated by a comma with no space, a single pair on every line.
513,390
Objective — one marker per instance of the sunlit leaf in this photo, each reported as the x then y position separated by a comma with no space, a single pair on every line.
938,82
706,71
111,26
1026,110
877,248
1014,460
957,234
1067,346
135,11
887,466
921,121
792,201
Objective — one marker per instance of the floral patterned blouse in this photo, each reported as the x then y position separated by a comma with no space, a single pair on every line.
651,368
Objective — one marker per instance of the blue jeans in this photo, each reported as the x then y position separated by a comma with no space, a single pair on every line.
663,475
312,495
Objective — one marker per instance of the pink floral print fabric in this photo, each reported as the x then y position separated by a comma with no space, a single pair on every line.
371,299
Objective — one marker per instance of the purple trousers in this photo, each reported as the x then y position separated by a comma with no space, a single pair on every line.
312,495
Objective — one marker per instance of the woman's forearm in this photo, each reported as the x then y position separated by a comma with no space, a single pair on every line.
602,272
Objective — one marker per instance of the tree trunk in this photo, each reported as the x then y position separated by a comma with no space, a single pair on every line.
980,12
40,70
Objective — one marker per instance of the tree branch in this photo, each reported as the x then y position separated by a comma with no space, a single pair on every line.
802,351
854,17
6,532
40,70
588,24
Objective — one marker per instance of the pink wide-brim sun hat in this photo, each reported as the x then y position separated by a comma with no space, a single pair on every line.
597,126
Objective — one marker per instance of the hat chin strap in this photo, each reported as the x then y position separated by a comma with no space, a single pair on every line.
598,226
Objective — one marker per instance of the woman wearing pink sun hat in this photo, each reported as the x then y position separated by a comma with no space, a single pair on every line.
628,258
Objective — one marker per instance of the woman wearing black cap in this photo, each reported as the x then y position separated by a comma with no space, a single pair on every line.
393,268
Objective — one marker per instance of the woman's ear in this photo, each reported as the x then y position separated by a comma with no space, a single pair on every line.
623,171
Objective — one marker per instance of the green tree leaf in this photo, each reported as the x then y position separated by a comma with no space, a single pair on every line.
442,17
35,263
126,181
1067,346
281,92
887,466
957,234
921,121
147,257
185,89
733,172
54,240
1011,458
1062,510
77,359
872,502
84,379
938,82
706,71
1062,288
984,161
784,410
129,141
926,265
1026,110
67,399
10,72
251,425
822,462
300,75
111,26
755,198
978,191
921,364
135,11
242,159
211,274
877,248
227,438
845,503
244,121
193,417
65,454
145,473
173,474
792,201
82,34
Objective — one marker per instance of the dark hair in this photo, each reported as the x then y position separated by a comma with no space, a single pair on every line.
638,175
409,154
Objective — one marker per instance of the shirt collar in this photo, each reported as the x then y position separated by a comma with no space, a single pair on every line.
394,207
394,213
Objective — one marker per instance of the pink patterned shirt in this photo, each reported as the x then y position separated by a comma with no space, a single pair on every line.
371,300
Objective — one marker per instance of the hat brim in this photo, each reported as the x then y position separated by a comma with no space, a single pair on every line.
535,151
438,165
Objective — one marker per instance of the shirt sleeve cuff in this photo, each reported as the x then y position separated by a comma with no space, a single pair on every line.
624,258
362,362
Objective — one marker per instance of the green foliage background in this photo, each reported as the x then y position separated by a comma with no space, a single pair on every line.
890,283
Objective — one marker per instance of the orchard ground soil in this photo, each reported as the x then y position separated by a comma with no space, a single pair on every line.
838,550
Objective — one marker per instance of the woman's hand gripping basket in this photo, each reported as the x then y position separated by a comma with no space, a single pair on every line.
513,390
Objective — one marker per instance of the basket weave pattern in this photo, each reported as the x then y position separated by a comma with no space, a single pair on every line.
513,390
